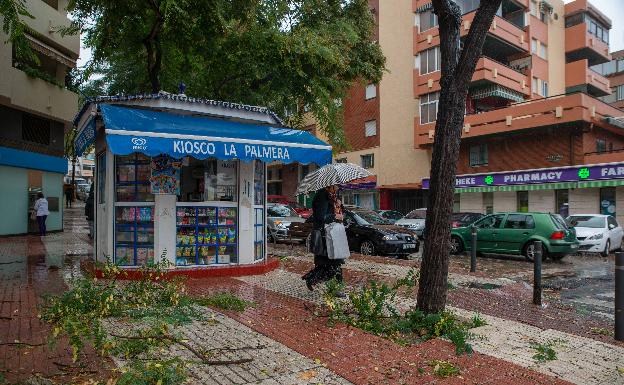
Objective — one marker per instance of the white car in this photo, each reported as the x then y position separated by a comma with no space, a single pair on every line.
597,233
415,221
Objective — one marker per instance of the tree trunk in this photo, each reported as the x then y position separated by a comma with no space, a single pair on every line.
154,49
457,70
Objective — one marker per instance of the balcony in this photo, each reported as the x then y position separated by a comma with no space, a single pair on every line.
579,77
38,96
488,71
604,157
508,38
556,110
46,21
580,44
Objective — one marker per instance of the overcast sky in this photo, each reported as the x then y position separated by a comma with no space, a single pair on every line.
611,8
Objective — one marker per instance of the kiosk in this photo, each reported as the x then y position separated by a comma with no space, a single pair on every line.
184,179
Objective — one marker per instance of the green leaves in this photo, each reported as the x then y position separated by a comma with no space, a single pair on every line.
283,54
11,12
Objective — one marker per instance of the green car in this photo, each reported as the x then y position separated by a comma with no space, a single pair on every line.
516,233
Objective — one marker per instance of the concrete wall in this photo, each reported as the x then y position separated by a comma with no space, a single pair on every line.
471,202
399,162
505,201
584,201
53,187
619,204
354,157
14,200
542,201
556,50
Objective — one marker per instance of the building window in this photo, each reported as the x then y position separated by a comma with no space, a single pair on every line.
607,201
573,20
370,128
619,92
522,201
35,129
545,89
428,20
341,160
562,202
478,155
534,45
533,8
305,170
429,107
430,60
371,91
543,51
601,145
596,29
368,161
488,202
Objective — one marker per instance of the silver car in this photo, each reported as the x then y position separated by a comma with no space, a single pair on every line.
279,218
414,220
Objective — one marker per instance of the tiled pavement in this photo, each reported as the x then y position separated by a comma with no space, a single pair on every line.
299,346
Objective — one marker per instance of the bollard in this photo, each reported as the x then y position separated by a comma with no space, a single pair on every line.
473,250
537,273
619,296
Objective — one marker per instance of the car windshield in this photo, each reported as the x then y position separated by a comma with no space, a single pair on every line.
586,221
392,215
280,211
365,217
417,214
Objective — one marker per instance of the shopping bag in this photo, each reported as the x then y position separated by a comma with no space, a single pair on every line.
317,243
336,239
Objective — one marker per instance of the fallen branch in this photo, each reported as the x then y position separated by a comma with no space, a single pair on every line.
196,352
19,343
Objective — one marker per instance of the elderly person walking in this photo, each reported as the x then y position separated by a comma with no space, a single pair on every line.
326,208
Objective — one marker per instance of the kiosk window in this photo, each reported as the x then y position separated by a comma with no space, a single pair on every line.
208,180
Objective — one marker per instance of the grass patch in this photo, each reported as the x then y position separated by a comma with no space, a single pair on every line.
225,301
444,369
477,321
545,351
372,308
602,331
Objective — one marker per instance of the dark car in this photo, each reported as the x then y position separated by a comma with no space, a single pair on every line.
391,215
369,234
464,219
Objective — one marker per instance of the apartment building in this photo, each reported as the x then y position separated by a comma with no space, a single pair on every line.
614,71
36,109
536,135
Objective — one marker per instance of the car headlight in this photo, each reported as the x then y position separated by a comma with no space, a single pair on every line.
390,238
596,236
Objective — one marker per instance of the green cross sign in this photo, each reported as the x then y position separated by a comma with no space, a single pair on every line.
583,173
489,180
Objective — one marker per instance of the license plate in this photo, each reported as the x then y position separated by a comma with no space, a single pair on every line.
409,246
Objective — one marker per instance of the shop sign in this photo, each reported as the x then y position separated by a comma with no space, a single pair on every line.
538,176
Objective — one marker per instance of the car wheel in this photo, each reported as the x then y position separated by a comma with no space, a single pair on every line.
456,245
529,252
367,248
606,250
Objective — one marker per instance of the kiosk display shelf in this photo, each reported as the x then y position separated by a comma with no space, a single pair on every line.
134,235
206,235
133,178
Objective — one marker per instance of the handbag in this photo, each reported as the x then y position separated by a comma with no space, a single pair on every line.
337,243
33,215
317,243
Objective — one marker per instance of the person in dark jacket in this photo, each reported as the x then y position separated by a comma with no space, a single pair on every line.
326,208
90,211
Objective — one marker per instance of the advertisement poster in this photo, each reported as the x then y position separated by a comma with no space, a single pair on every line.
165,177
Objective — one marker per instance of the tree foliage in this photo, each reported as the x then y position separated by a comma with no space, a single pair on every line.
13,25
284,54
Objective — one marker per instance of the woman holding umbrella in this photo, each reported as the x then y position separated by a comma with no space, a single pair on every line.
327,209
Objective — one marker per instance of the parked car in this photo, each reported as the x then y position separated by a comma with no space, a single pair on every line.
391,215
414,220
516,233
371,234
280,217
301,210
597,233
368,233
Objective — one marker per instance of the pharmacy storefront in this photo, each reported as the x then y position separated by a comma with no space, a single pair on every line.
583,189
184,180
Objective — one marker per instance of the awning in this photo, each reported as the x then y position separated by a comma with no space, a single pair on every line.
424,8
152,133
498,91
370,182
50,52
527,187
618,122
